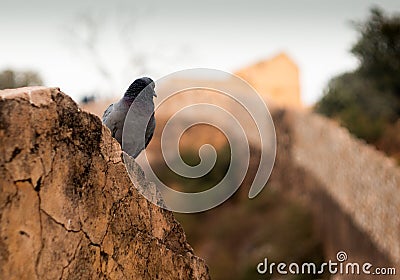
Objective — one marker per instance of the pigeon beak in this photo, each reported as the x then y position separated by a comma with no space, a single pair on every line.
154,94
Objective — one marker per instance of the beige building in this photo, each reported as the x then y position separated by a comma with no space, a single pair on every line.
276,79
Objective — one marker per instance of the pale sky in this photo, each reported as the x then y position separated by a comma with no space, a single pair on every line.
157,38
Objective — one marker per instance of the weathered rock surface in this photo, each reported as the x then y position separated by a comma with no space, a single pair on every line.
68,209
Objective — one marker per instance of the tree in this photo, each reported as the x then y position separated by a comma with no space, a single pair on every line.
367,100
378,50
14,79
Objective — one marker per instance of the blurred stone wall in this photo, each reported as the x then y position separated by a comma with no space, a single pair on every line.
351,187
363,181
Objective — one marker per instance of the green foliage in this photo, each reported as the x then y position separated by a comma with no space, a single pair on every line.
238,236
14,79
378,50
235,236
192,158
367,100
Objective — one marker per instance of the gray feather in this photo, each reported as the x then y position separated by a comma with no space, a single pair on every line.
141,121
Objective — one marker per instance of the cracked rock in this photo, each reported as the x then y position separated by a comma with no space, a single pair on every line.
68,209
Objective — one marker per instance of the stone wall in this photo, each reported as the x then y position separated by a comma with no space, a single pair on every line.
351,187
364,182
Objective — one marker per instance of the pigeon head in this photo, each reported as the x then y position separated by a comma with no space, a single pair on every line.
138,85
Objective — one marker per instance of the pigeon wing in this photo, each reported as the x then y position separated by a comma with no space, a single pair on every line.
109,120
150,130
107,112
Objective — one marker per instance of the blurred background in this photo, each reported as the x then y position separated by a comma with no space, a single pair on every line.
339,59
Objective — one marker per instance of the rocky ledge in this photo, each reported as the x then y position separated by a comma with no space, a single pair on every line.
68,209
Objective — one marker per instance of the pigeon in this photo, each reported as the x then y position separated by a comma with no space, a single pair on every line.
138,104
